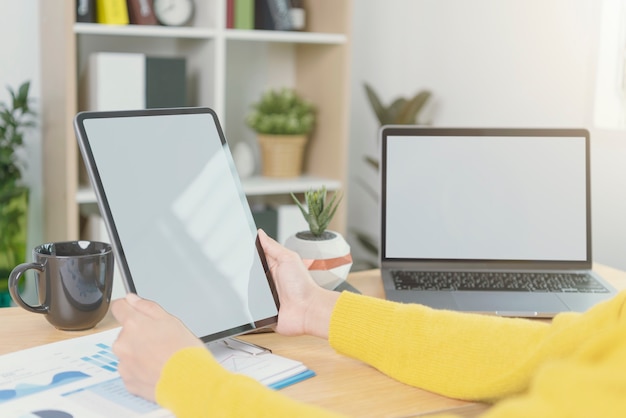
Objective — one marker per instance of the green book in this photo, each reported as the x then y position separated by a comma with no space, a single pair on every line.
244,14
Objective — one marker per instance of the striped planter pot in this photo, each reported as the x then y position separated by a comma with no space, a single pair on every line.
327,258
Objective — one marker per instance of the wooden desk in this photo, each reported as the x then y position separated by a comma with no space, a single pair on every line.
342,384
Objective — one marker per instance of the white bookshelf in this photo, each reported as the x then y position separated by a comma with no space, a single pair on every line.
227,69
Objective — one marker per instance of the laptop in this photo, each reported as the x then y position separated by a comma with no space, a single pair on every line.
493,221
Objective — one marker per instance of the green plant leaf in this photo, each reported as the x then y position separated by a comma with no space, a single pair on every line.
328,212
395,110
304,211
369,243
409,113
378,107
21,100
13,120
315,211
282,112
373,162
401,111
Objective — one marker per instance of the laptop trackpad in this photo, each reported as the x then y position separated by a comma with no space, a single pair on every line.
580,302
509,303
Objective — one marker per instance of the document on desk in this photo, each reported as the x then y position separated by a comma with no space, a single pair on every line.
79,378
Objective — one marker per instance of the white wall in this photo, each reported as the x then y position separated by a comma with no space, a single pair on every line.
488,63
19,62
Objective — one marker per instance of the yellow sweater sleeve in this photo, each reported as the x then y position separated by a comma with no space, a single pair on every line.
589,383
194,385
574,366
468,356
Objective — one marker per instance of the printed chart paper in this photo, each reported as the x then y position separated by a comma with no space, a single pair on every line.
78,378
71,378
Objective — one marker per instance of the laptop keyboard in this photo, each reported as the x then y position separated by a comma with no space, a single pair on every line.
498,281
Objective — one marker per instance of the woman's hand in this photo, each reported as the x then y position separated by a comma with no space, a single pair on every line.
149,337
305,307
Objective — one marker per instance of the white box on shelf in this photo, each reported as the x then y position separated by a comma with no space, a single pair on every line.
115,81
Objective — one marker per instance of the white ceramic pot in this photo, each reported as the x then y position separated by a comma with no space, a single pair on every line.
327,257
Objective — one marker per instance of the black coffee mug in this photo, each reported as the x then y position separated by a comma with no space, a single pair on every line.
74,283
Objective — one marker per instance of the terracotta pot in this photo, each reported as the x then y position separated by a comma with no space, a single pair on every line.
282,155
328,257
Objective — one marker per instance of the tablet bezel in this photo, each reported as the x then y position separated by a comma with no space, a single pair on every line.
105,210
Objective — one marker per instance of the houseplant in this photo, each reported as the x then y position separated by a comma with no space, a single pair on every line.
14,118
282,120
325,253
399,111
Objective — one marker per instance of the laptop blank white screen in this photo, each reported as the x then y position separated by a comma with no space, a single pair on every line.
486,198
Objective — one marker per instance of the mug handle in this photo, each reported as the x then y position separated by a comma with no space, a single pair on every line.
14,279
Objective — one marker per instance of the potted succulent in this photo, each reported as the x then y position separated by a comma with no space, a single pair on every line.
282,120
325,253
14,118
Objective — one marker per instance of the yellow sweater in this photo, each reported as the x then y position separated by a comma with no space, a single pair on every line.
574,366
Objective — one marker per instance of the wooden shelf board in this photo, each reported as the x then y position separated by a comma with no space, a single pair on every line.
258,185
143,30
205,33
253,186
285,36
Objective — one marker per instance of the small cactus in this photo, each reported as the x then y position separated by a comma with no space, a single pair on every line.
317,213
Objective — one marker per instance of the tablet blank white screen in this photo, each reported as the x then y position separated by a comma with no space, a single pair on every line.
182,219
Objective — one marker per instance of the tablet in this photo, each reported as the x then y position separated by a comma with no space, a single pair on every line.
180,225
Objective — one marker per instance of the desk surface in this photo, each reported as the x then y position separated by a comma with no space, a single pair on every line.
342,384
